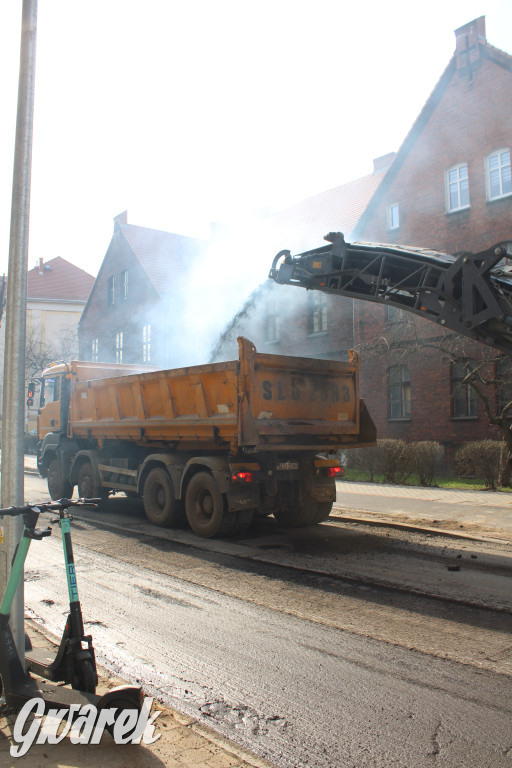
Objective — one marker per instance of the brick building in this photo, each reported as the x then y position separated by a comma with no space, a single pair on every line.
448,188
132,315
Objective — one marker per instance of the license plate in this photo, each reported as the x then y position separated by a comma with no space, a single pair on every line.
288,465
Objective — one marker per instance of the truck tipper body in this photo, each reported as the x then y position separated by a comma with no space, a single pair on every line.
214,444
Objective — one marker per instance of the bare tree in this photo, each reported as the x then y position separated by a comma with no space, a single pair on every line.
39,355
485,370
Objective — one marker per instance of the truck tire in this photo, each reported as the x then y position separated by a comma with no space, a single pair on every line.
87,486
58,487
206,509
160,505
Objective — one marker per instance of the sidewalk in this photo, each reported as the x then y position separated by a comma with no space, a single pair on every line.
471,512
184,742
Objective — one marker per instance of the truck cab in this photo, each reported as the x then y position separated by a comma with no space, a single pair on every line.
53,400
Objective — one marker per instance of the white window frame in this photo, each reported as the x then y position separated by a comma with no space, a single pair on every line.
119,347
111,290
124,284
449,184
146,343
95,345
501,165
393,222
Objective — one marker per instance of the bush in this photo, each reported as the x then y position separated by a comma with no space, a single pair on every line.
425,457
364,460
393,460
481,458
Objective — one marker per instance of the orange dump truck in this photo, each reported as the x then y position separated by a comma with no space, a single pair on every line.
214,444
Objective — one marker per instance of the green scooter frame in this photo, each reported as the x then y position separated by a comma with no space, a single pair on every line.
17,685
75,662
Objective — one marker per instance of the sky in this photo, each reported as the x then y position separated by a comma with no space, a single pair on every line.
192,112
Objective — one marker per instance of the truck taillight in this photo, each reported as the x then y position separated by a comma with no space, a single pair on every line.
30,394
242,477
335,471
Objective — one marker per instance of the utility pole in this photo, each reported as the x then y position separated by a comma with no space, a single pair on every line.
13,415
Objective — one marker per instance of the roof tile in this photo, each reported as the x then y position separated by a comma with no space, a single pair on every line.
58,279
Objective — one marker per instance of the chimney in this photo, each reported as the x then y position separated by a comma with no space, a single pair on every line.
120,220
40,266
467,44
383,162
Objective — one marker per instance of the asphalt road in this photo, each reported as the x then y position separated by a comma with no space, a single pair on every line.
279,678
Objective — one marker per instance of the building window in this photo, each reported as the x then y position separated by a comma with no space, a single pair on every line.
272,325
111,290
457,188
146,344
399,392
499,180
95,345
503,385
317,312
119,347
393,216
124,285
464,397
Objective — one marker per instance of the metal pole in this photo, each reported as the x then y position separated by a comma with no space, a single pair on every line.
13,415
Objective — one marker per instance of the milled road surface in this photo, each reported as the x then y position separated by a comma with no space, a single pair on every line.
297,691
303,667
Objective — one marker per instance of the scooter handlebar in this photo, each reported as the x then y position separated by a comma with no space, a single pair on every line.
16,511
49,506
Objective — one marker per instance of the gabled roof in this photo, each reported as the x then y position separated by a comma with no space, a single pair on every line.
58,279
164,256
304,225
486,51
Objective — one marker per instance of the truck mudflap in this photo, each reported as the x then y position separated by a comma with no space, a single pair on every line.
243,498
318,478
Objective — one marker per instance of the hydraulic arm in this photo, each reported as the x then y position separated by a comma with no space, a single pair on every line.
470,294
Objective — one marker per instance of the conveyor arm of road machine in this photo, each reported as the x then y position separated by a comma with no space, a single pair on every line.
470,294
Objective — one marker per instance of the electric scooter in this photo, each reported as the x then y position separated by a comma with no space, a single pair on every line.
75,662
17,684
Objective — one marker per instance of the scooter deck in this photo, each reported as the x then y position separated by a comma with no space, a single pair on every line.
54,696
42,657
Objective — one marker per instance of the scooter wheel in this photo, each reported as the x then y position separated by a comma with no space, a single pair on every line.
88,679
122,705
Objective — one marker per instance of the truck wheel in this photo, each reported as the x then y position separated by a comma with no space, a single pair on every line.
160,506
206,508
58,487
87,488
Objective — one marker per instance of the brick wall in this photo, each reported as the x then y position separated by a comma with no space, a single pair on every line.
471,120
103,320
464,122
